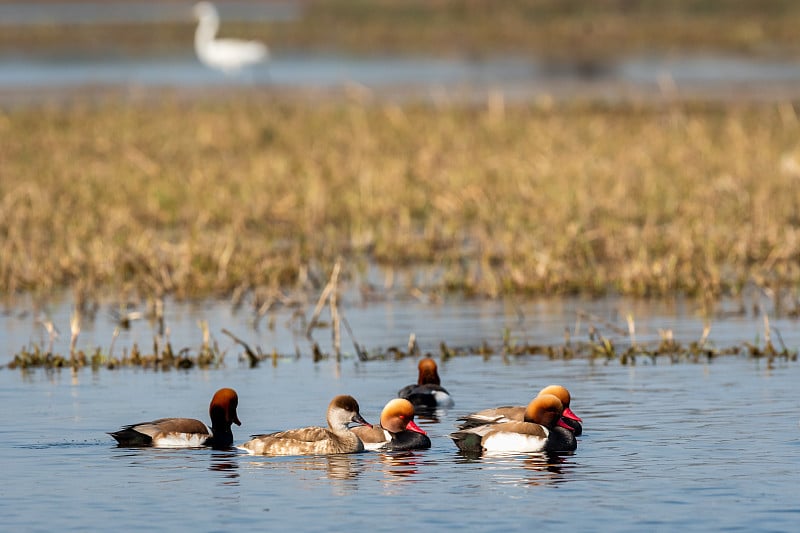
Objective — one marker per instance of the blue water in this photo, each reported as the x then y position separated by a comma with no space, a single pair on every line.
708,446
710,74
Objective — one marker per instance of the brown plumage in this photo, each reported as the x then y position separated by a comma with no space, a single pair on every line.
517,412
187,432
531,435
397,430
336,438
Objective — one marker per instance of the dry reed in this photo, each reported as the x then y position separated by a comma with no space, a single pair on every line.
260,194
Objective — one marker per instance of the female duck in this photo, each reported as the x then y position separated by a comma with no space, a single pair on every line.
530,435
336,438
427,393
397,430
187,432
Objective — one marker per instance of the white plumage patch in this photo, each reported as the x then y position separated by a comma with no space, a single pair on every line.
443,399
503,441
180,440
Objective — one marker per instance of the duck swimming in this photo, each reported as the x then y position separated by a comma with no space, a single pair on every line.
427,393
187,432
397,430
517,412
336,438
531,435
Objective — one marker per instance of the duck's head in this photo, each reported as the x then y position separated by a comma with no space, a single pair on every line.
545,410
223,408
562,394
343,410
428,372
398,415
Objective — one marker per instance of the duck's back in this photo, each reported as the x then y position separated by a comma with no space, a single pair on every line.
427,396
304,441
164,432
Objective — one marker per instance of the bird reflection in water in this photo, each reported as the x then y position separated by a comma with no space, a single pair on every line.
335,466
540,468
227,465
428,414
544,469
340,466
399,466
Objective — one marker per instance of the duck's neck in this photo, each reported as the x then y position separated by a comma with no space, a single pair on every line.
340,428
221,436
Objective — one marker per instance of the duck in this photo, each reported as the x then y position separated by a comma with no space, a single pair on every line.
226,55
186,432
517,412
427,393
336,438
397,430
569,418
531,435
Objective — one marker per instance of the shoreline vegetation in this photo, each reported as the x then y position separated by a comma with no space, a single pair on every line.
571,30
601,343
256,196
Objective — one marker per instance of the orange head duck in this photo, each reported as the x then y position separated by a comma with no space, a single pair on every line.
569,419
530,435
397,430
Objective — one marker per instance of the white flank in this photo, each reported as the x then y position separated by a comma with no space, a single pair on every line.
513,442
443,399
180,440
373,446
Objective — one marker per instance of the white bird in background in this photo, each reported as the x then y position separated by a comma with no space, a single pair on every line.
227,55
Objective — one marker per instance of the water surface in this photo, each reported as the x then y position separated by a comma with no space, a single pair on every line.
666,446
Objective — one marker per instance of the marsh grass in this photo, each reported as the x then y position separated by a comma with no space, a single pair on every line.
258,194
595,346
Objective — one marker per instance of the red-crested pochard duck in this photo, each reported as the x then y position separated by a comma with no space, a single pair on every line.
427,393
517,412
397,430
187,432
336,438
531,435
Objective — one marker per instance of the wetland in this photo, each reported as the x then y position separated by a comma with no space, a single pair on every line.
601,195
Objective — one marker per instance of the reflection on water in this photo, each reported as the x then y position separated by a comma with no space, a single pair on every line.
337,466
662,443
227,464
426,415
389,323
520,468
399,466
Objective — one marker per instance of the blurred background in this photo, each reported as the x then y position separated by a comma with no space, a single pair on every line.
610,49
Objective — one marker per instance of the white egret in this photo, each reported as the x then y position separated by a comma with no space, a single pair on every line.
227,55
